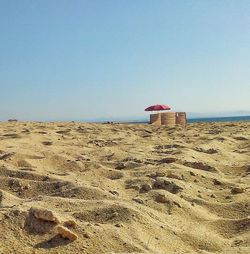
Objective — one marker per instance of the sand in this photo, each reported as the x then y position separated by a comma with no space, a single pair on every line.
114,188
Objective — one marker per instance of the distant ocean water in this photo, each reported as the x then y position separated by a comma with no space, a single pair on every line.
219,119
206,119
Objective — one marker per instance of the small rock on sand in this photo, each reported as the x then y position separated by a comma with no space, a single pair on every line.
161,198
145,187
138,200
175,175
70,223
162,183
44,214
167,160
217,182
157,174
66,233
47,143
120,166
237,190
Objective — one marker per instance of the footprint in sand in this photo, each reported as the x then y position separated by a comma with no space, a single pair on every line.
203,150
200,165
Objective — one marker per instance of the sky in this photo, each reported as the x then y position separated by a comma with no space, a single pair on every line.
86,59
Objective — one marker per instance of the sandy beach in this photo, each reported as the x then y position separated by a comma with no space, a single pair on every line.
116,188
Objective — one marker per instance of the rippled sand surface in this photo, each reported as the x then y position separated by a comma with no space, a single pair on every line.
124,188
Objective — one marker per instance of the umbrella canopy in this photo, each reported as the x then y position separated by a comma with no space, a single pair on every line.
157,107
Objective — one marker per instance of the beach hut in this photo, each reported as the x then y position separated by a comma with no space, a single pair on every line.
181,118
156,118
168,118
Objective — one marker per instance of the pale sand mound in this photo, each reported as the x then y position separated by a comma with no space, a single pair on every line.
113,188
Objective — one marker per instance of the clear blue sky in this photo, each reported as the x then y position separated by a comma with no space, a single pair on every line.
98,58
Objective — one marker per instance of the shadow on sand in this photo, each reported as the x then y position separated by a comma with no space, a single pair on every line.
52,243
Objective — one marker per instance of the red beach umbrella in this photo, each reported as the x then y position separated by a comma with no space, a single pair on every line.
157,107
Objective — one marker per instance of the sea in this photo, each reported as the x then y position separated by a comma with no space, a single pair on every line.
219,119
205,119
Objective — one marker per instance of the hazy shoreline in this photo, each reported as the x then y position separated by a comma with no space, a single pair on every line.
145,121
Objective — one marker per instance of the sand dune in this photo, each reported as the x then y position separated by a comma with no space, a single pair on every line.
124,188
